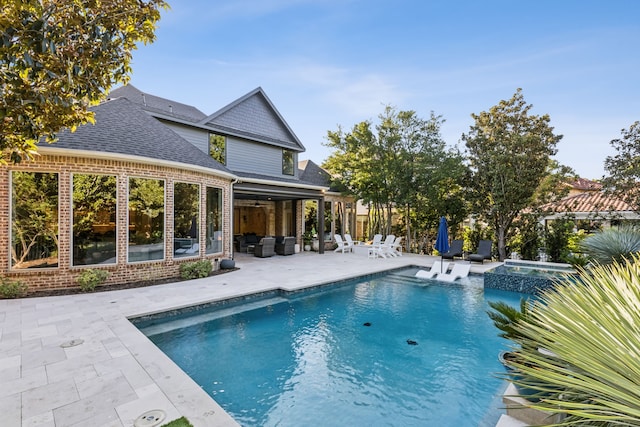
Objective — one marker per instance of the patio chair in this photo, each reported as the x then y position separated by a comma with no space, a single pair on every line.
342,245
396,248
285,245
438,267
265,248
484,252
385,248
455,250
457,272
349,240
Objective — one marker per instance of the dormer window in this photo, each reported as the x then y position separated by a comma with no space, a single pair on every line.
218,147
287,162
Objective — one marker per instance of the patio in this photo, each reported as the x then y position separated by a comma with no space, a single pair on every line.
76,360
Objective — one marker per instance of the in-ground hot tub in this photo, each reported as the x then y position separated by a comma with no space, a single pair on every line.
529,277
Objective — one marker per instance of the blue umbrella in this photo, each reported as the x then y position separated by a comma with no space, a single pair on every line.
442,241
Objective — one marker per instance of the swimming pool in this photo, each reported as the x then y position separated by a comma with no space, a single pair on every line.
388,350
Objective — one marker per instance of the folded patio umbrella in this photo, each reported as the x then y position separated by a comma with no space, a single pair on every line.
442,241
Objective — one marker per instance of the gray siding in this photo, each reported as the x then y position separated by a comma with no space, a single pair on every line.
253,157
198,137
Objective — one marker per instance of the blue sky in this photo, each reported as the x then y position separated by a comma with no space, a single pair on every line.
325,63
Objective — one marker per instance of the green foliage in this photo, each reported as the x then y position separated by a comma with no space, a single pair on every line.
527,239
612,245
624,168
58,58
557,239
91,278
12,288
506,318
400,163
195,269
180,422
590,369
472,236
509,154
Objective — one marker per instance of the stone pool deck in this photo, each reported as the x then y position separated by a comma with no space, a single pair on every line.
72,361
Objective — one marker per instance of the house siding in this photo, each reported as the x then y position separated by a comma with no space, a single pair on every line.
198,137
252,157
65,276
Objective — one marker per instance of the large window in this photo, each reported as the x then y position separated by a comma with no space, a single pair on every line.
34,220
146,219
214,220
287,162
186,219
218,147
94,219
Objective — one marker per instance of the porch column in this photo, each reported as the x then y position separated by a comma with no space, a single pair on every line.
321,225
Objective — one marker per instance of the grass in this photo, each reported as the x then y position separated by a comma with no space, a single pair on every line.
180,422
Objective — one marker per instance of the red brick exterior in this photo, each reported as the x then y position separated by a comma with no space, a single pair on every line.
64,276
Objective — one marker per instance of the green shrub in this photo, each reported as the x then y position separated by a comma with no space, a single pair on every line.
195,269
89,279
12,288
590,369
612,244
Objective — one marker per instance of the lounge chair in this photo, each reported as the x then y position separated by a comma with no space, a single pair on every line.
484,251
285,245
457,272
377,241
342,245
455,250
385,247
396,249
438,267
349,240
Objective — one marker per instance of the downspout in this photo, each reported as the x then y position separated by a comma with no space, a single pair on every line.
232,199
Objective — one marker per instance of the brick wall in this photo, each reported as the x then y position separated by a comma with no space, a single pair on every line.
64,276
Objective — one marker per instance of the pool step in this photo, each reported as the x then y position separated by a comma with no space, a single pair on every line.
508,421
403,279
208,315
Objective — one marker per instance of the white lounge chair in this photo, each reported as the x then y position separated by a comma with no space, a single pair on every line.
396,249
385,247
377,241
438,267
457,272
349,240
342,245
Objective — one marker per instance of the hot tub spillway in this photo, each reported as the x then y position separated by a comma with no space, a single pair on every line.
530,277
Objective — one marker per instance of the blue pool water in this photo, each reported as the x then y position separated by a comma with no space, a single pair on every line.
309,359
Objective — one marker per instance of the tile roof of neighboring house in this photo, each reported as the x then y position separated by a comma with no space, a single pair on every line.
254,117
156,104
123,127
585,184
593,202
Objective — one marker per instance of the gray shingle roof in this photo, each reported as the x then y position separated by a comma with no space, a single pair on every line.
156,104
123,127
311,173
254,117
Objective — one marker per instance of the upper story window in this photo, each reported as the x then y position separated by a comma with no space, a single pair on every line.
218,147
287,162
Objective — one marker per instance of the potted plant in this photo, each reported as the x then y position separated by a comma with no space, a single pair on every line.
306,239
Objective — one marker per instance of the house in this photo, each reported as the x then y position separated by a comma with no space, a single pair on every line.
152,184
590,206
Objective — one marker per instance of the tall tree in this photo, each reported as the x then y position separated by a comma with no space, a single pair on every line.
59,57
624,168
509,152
402,165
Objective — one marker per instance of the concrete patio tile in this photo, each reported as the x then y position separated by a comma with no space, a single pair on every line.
44,419
9,374
115,347
44,356
77,366
129,411
49,397
11,410
39,332
30,379
102,384
97,409
10,344
129,367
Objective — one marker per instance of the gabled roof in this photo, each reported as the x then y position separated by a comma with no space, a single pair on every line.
254,117
156,104
123,127
310,172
